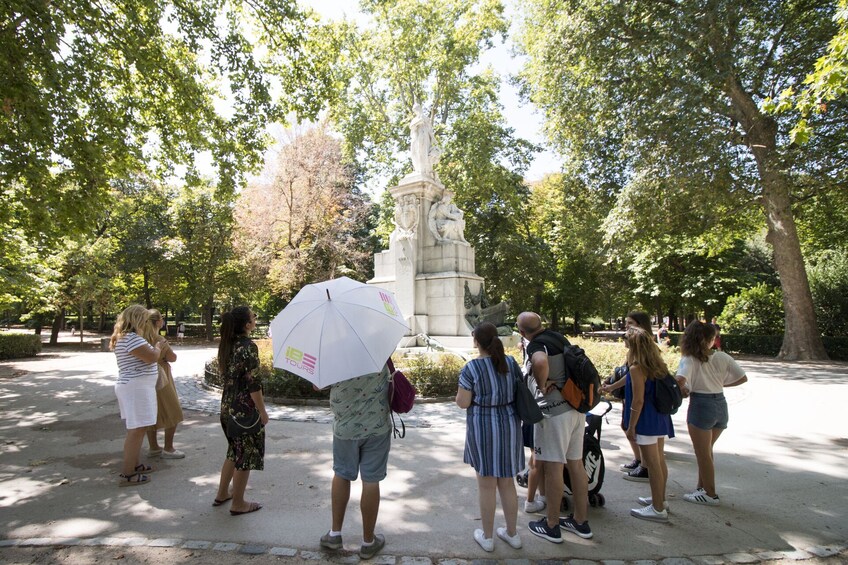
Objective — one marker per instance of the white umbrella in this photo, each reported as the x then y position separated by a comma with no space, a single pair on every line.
337,330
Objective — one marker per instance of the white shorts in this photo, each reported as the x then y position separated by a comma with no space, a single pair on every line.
560,438
137,401
647,440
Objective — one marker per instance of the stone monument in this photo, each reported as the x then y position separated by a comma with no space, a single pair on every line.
429,264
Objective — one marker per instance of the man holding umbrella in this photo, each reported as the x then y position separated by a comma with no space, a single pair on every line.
361,443
340,333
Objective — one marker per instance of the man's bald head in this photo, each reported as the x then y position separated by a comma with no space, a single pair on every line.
529,323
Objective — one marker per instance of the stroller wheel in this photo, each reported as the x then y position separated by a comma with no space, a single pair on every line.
601,500
593,500
521,479
563,507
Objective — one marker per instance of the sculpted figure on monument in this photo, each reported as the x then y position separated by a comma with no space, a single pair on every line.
425,151
446,220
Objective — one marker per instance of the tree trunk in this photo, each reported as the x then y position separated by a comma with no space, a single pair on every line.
82,308
208,308
146,281
801,338
54,329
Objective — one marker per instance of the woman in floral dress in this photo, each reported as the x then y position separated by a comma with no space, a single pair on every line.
238,364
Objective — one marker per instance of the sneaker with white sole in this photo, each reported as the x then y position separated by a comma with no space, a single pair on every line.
639,474
175,454
569,524
647,501
535,506
154,453
627,467
701,497
369,551
331,542
650,513
488,544
513,541
541,529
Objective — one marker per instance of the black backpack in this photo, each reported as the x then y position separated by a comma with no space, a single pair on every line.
667,395
582,388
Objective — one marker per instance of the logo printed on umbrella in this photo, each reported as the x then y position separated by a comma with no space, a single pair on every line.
301,360
388,304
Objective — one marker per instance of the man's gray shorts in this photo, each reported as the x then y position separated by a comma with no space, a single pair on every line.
369,456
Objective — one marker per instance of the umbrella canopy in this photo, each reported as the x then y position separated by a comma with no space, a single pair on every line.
337,330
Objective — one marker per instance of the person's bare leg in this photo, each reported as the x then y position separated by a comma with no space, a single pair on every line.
702,443
152,442
509,503
535,479
227,470
634,447
340,495
651,462
169,438
369,506
579,489
132,447
239,504
663,466
487,496
553,488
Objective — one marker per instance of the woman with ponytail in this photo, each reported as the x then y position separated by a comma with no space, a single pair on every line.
493,440
135,387
238,366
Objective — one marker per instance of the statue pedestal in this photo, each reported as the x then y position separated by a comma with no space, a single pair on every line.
427,273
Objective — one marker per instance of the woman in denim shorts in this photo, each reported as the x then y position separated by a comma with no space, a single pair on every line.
703,374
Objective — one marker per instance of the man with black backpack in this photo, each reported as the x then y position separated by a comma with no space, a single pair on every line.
558,438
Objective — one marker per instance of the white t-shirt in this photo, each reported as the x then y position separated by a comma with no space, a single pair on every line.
710,377
130,366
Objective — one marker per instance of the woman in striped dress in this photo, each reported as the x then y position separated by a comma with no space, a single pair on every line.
493,442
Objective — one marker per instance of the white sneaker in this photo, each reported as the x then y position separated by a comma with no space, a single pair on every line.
650,513
700,496
154,453
535,506
514,541
647,501
487,544
175,454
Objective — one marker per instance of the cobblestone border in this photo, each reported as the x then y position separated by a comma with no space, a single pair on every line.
838,552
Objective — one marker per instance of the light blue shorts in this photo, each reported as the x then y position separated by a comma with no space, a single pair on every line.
369,456
707,411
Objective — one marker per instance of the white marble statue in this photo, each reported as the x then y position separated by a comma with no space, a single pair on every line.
425,151
446,221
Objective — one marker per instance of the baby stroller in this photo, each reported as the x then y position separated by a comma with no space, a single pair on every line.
593,458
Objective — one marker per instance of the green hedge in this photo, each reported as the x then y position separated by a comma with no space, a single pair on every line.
14,345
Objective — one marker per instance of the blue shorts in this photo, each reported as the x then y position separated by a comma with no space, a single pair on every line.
369,456
707,411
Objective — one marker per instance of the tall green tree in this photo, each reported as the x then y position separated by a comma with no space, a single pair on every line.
202,246
94,91
670,95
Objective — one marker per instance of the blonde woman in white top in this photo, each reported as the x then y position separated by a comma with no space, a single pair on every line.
703,374
135,387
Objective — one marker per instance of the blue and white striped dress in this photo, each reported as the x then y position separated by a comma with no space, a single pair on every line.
493,443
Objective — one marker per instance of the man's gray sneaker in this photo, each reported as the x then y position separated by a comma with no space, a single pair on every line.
331,542
369,551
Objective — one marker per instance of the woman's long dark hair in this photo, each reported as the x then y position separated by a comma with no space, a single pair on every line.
696,340
642,320
486,335
233,325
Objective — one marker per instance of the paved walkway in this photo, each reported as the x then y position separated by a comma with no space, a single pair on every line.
782,470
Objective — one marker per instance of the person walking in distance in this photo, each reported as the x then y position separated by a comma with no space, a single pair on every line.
558,438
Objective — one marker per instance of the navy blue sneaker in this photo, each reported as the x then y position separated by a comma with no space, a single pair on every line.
541,529
570,525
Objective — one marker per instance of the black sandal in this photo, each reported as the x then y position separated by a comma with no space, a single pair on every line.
142,468
133,480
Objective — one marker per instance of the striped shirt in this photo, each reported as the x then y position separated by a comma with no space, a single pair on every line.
130,366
